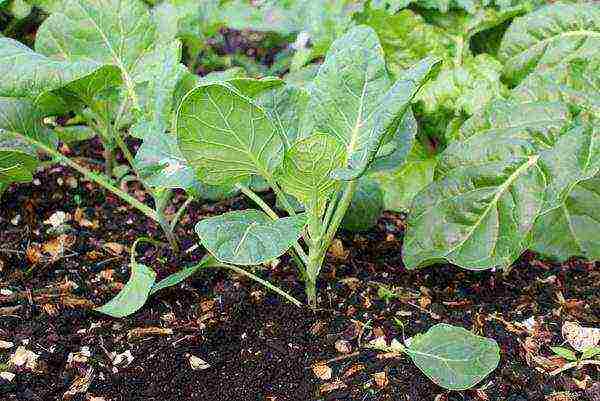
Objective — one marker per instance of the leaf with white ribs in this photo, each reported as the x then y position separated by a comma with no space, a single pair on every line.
306,169
552,35
491,187
225,136
249,237
353,98
573,229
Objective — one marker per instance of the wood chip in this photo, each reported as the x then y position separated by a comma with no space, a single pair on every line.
329,387
6,344
381,379
198,363
141,332
343,346
580,337
24,357
322,371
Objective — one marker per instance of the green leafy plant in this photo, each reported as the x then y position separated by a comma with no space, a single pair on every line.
312,144
452,357
107,64
588,356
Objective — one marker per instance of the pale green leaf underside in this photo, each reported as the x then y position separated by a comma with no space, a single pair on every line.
550,36
226,137
573,229
134,295
249,237
306,168
454,358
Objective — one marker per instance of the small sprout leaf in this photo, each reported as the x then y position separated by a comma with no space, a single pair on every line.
565,353
134,295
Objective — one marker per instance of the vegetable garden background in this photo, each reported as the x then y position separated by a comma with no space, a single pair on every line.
299,200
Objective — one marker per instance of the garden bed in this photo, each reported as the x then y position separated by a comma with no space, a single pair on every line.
256,345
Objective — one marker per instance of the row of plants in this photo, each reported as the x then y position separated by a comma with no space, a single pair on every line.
478,118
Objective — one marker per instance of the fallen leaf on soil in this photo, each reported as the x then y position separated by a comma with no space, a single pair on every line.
207,305
7,376
79,357
563,396
580,337
81,219
6,344
337,250
322,371
80,385
114,248
378,342
140,332
24,357
55,248
33,253
329,387
343,346
198,363
57,219
381,379
118,359
354,369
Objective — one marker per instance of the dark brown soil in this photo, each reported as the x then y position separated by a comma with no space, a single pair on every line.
258,346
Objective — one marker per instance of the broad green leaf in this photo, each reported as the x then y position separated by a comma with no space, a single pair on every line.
395,153
454,358
31,75
573,229
391,6
465,88
225,137
552,35
353,99
514,161
406,38
402,184
134,295
576,83
590,352
21,116
306,169
249,237
365,208
476,217
16,166
74,133
285,106
176,278
114,32
162,76
3,188
565,353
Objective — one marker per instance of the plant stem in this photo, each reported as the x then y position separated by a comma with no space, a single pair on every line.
97,178
180,212
263,282
109,157
319,245
161,200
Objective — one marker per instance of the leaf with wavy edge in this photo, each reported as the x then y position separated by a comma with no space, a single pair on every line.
249,237
353,99
115,32
225,137
16,166
28,74
573,229
452,357
552,35
306,169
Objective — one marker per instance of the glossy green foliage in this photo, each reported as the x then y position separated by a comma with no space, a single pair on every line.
366,206
452,357
554,34
249,237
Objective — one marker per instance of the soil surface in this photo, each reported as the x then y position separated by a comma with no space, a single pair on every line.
223,337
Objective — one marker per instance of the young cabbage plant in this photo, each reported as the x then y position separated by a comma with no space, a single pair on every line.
313,144
107,63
